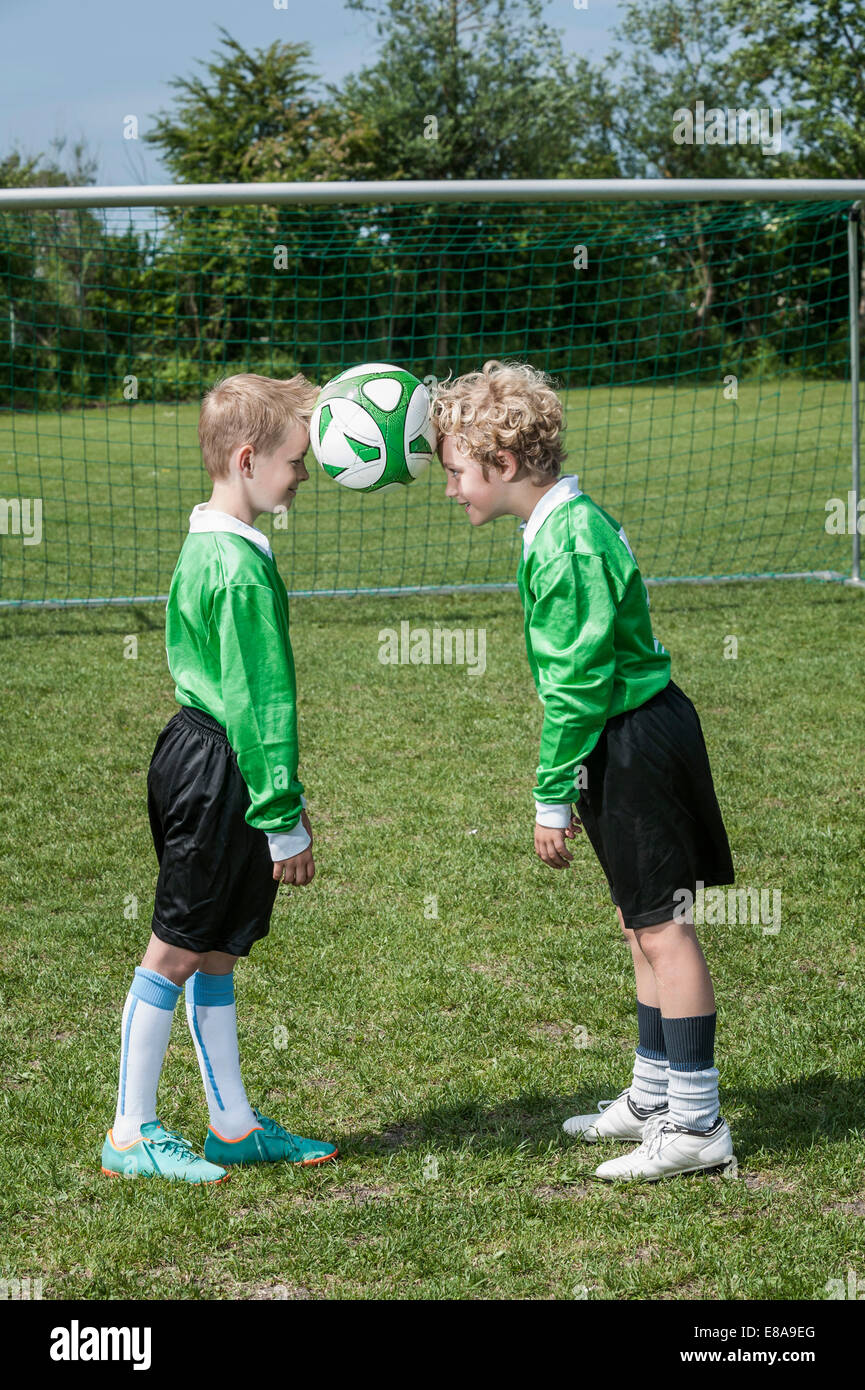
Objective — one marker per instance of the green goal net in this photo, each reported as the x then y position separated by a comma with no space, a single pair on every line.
702,351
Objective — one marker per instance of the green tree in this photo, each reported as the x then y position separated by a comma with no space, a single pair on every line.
678,53
465,89
814,58
251,117
472,89
52,262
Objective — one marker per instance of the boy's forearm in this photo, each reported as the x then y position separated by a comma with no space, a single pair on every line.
273,808
569,735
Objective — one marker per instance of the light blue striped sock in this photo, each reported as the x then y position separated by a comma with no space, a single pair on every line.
144,1034
212,1018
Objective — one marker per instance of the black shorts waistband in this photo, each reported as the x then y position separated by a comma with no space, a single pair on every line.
204,723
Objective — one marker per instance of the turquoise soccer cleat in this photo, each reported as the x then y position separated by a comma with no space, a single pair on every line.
159,1153
267,1143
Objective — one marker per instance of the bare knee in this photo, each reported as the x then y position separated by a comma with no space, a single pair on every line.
217,963
171,961
660,942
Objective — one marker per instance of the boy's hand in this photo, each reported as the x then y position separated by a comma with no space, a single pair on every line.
550,843
300,869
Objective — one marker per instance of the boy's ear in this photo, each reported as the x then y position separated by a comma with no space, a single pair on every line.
245,455
510,464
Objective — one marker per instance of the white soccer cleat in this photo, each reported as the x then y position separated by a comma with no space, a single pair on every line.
619,1119
668,1149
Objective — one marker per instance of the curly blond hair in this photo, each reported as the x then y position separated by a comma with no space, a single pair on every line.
251,409
507,405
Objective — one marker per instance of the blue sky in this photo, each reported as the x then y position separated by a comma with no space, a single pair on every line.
77,69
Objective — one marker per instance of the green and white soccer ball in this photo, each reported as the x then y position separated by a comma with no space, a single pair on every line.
371,428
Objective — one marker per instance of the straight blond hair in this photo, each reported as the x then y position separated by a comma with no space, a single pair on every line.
250,409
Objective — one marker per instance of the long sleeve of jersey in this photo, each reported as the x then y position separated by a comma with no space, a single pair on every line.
571,645
259,701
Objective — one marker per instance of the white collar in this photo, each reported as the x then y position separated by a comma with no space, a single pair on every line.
204,518
566,488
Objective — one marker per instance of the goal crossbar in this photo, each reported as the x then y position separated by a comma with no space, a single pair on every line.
436,191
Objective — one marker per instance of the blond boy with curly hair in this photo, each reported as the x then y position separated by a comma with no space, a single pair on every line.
620,739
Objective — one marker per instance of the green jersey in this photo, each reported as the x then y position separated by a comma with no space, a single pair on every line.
588,635
229,653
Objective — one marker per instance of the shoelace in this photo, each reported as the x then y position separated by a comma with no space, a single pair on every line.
653,1133
602,1104
270,1126
174,1143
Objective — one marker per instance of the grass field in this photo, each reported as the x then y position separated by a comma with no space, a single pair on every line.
703,484
440,1052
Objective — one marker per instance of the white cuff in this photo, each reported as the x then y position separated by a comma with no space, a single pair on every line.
285,844
554,817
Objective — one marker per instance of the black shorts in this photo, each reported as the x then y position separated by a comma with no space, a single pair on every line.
650,811
216,889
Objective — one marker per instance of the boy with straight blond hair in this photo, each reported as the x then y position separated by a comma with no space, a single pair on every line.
226,809
620,733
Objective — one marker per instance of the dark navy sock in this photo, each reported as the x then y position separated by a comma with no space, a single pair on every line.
651,1032
690,1042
